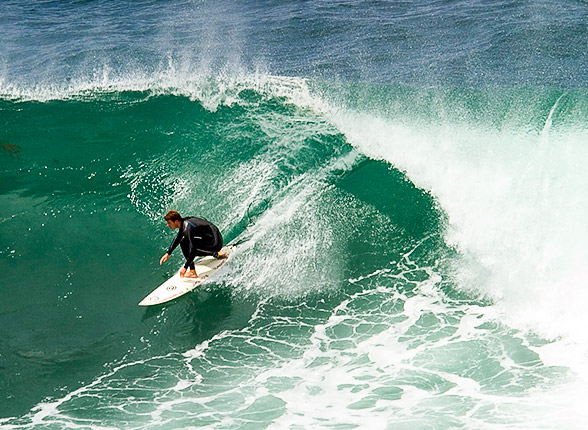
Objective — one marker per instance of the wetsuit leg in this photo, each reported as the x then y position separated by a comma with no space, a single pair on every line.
204,248
185,245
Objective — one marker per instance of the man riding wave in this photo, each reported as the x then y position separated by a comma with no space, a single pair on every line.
197,237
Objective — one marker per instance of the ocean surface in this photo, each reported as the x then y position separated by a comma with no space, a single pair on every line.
406,182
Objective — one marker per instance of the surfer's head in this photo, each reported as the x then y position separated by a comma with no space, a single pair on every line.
173,219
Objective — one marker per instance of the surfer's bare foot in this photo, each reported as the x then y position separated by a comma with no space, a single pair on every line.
221,255
191,274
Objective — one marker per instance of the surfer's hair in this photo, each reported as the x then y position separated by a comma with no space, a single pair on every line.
173,216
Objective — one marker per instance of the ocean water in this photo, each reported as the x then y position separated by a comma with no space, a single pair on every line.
405,181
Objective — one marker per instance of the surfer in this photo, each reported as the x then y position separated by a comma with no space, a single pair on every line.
197,237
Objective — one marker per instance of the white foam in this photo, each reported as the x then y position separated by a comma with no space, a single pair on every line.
516,208
372,382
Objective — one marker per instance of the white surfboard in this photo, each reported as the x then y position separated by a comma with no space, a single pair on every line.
176,286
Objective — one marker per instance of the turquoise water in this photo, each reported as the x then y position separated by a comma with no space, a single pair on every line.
409,204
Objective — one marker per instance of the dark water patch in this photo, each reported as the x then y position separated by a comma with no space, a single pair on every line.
394,195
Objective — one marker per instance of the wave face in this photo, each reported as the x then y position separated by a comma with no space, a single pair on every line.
411,232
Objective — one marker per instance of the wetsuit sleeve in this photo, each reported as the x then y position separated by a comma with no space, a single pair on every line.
175,243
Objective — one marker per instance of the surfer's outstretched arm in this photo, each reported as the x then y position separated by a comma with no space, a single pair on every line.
175,243
173,246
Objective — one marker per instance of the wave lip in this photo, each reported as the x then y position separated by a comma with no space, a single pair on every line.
211,91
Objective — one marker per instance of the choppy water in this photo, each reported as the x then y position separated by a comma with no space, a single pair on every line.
406,181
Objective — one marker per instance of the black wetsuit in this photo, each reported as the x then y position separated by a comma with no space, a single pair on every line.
197,237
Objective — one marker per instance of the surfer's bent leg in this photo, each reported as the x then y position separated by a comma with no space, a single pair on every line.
185,245
204,248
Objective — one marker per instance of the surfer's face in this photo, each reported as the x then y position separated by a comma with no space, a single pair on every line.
173,224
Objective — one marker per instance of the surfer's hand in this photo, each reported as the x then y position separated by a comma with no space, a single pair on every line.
164,258
182,272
